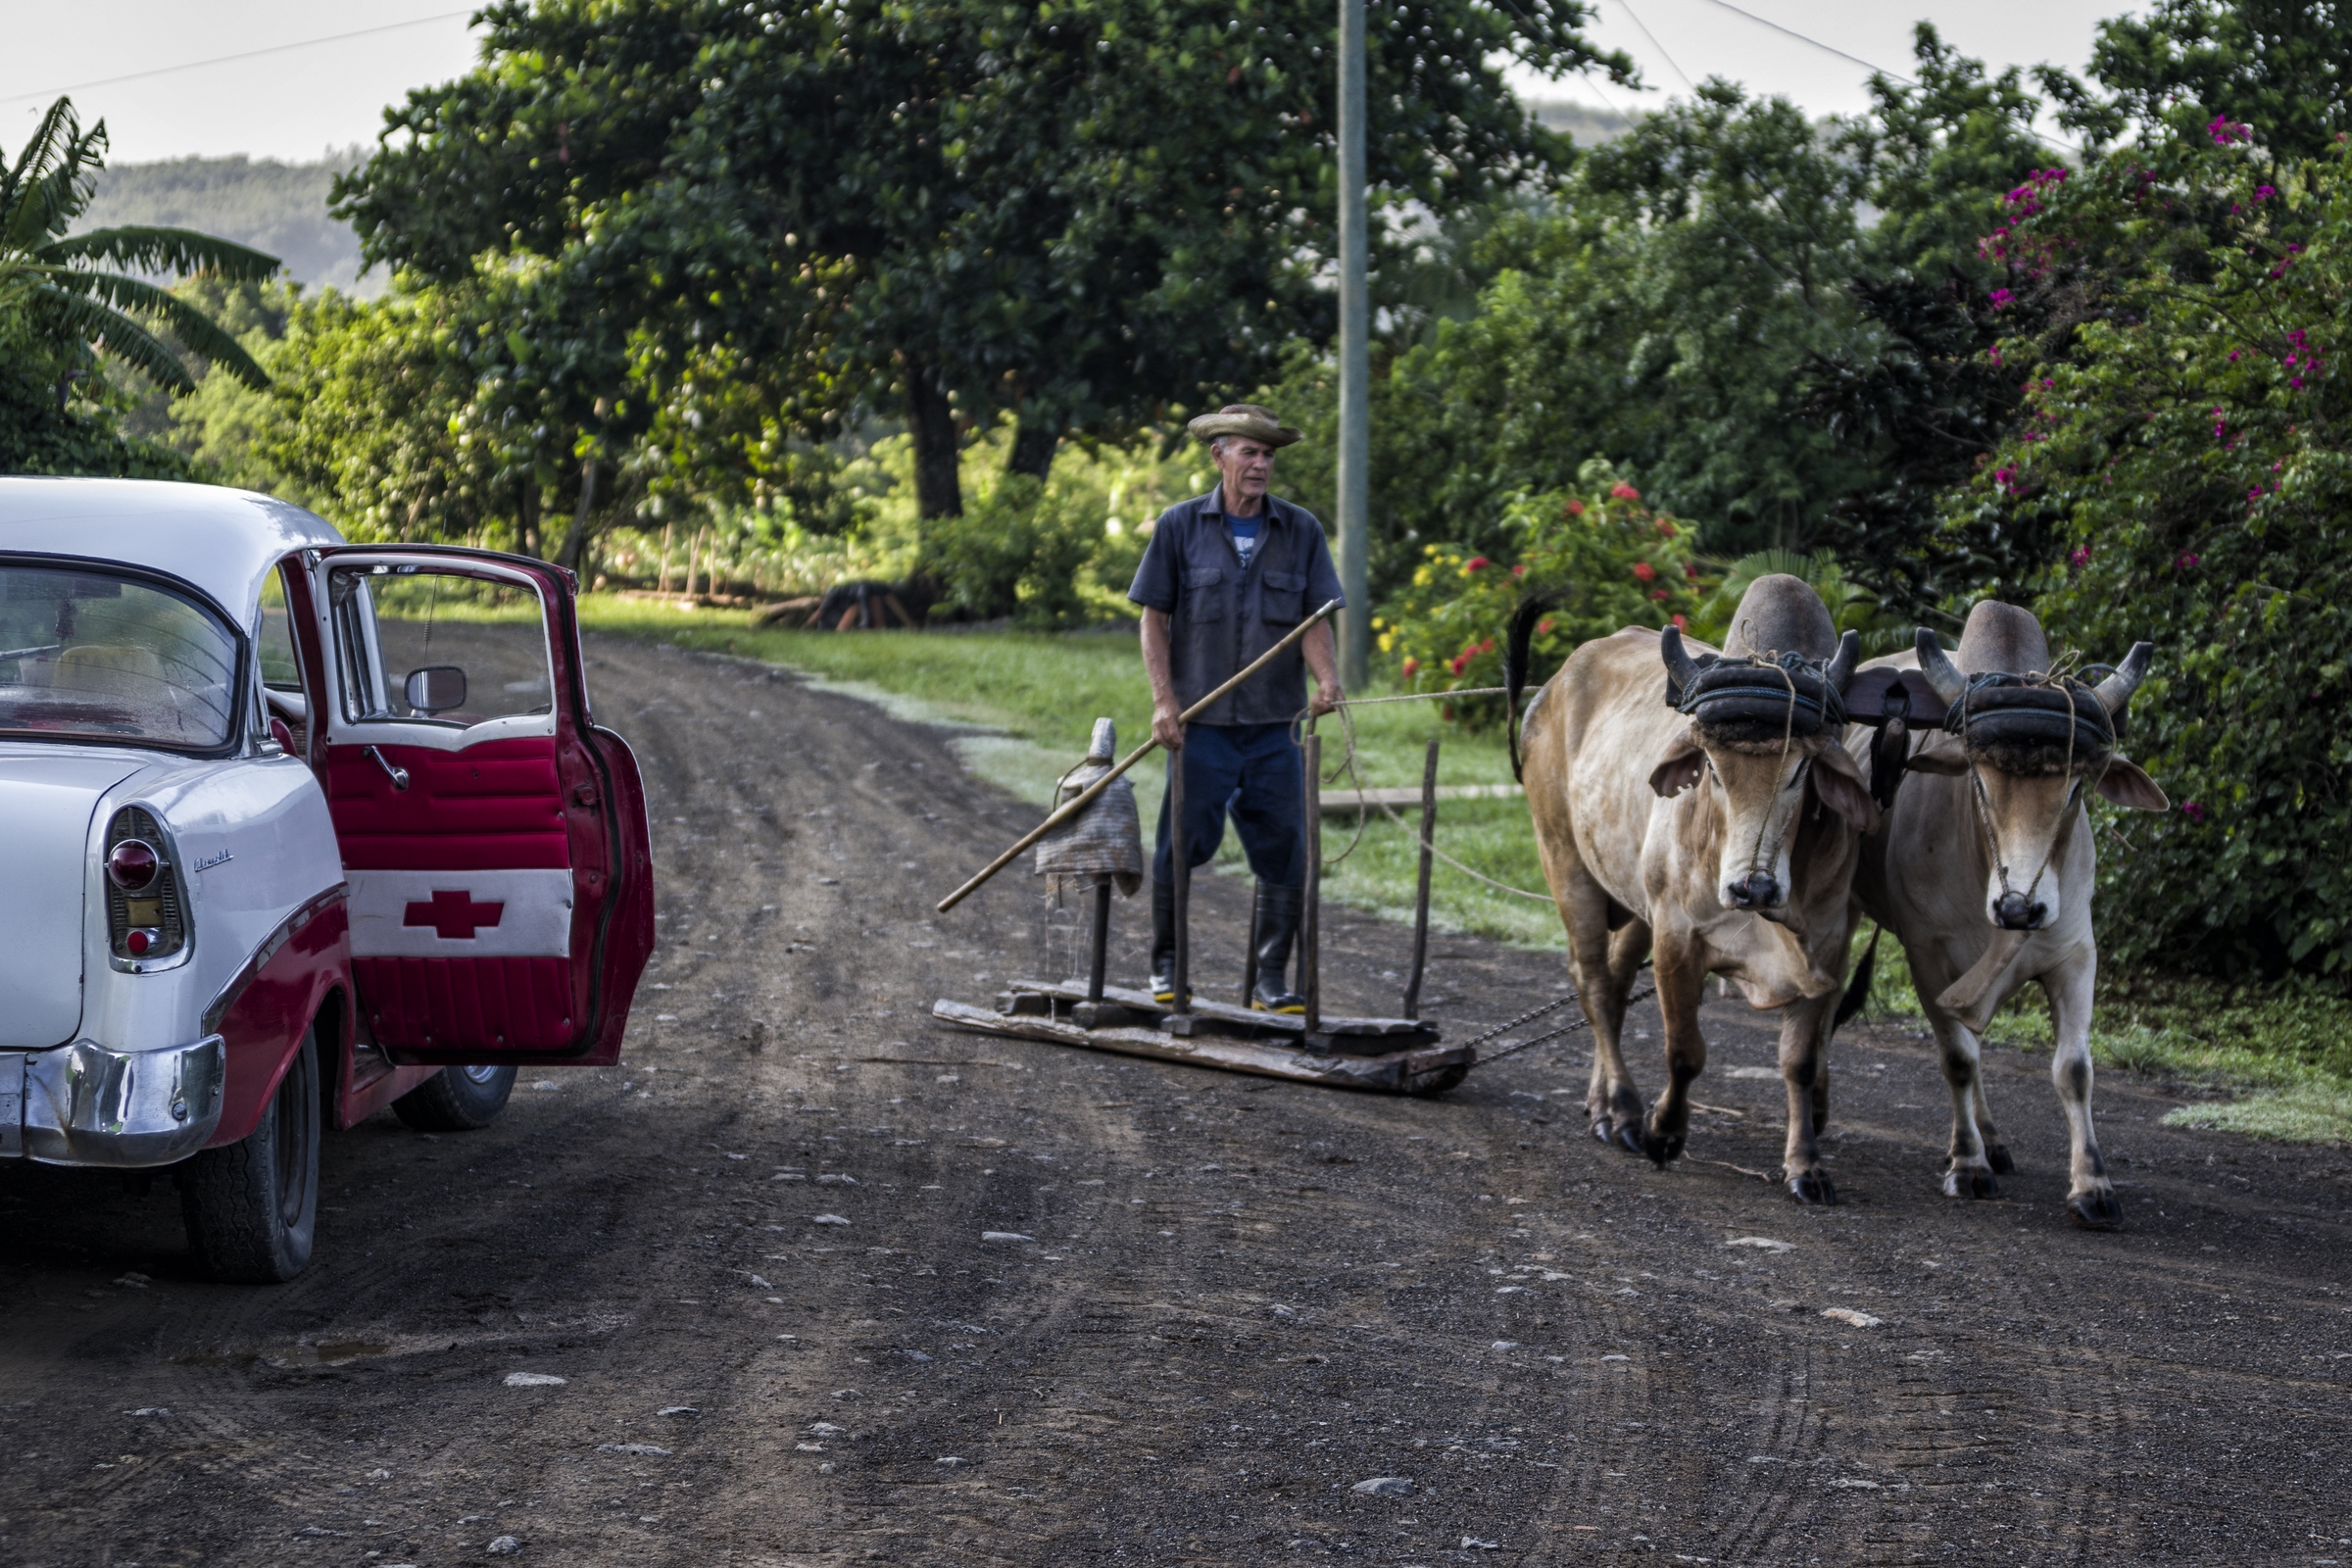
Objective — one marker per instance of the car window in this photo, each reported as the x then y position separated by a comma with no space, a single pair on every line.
277,644
448,648
92,655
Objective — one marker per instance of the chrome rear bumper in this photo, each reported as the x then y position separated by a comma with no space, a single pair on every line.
83,1105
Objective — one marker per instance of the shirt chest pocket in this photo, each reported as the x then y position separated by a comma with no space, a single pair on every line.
1205,593
1280,597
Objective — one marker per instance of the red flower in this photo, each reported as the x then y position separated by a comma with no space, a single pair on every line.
1657,593
1475,564
1690,571
1456,663
1666,527
1681,624
1520,570
1411,665
1543,628
1621,491
1573,508
1646,571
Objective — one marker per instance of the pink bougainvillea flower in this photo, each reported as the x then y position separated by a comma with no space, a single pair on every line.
2184,561
2081,556
2001,299
2192,810
2225,131
1646,571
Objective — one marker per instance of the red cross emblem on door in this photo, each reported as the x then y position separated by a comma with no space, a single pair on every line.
452,914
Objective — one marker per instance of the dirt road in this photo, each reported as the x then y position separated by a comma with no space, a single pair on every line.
785,1336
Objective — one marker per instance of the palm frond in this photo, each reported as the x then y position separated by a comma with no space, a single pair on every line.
192,327
53,179
73,314
151,249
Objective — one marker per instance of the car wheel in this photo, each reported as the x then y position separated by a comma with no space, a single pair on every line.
252,1207
457,1100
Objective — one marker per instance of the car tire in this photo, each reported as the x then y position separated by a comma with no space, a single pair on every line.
252,1207
457,1100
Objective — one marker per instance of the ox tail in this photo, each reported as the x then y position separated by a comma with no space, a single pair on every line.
1514,664
1857,989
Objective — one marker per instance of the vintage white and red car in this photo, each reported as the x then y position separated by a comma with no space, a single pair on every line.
296,829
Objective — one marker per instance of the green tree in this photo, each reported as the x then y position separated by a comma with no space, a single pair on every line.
66,317
2283,67
1069,217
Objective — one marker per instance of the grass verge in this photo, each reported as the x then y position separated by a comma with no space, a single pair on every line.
2269,1062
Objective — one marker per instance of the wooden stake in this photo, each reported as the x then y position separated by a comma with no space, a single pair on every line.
1180,868
1429,825
1100,948
1086,797
1310,966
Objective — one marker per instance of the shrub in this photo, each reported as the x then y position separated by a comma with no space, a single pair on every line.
1603,558
2191,457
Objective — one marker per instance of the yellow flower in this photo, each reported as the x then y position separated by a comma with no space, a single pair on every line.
1388,643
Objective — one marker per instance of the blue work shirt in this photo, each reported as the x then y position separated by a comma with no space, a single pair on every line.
1222,613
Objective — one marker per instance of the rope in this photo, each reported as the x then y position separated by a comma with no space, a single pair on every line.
1347,769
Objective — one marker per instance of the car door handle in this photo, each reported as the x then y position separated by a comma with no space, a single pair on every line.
398,775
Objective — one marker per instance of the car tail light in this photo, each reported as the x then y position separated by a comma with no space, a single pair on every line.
146,913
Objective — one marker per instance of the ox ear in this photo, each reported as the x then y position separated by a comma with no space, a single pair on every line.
2125,783
1838,780
1938,753
1680,766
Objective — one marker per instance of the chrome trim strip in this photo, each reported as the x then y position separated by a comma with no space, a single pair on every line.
226,996
83,1105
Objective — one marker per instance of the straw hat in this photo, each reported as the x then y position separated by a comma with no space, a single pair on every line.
1245,419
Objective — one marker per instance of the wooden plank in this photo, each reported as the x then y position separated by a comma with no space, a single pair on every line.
1398,1072
1338,801
1227,1013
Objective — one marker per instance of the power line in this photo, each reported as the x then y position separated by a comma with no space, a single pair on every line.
223,60
1827,48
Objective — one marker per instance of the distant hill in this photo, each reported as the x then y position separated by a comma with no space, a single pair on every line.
273,207
1582,125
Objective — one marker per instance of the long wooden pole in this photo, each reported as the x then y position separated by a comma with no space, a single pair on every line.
1429,823
1086,797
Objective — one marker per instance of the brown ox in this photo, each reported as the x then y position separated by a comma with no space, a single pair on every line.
1721,839
1984,869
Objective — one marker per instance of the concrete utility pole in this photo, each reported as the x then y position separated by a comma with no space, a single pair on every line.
1355,361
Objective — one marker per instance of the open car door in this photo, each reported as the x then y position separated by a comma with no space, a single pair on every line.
494,838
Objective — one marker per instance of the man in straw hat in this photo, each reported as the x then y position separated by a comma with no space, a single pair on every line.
1226,577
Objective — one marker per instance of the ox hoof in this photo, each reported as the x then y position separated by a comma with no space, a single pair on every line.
1623,1135
1969,1182
1998,1157
1662,1146
2095,1210
1812,1187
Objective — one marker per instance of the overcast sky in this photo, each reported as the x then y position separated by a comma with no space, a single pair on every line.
297,103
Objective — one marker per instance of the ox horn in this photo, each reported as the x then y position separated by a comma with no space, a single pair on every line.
1681,669
1937,666
1841,673
2117,689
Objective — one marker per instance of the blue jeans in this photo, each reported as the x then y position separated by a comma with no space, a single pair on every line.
1254,772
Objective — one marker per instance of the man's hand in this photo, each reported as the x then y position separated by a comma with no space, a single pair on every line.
1326,699
1167,725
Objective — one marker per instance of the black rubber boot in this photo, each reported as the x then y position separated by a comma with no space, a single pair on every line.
1278,911
1163,942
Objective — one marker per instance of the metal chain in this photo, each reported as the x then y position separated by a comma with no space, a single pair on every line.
1564,1029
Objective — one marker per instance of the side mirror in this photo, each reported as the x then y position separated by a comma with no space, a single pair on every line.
436,689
